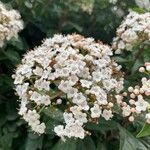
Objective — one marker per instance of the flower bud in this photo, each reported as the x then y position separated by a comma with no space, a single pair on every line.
141,69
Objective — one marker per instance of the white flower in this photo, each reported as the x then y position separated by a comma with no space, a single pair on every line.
126,111
32,117
42,84
95,111
110,84
107,114
22,110
36,96
146,85
40,99
79,98
45,99
40,128
22,89
81,117
38,71
72,92
85,83
121,45
73,79
129,36
68,117
97,76
59,130
148,116
18,79
64,86
141,105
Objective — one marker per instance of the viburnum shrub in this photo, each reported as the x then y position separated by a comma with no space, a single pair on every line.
73,92
10,24
78,76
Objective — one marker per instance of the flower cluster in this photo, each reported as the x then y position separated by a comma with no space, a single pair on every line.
143,4
136,98
10,24
113,1
145,68
135,29
86,5
71,71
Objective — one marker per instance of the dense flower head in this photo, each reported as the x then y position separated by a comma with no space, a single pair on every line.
113,1
10,24
135,101
86,5
145,4
135,29
79,69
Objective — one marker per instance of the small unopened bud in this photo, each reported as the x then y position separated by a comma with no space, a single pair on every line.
137,87
110,104
147,93
131,118
148,68
132,95
144,79
124,104
141,69
136,91
130,89
87,92
141,91
124,93
133,110
148,121
147,63
119,101
132,102
30,92
138,112
13,76
59,101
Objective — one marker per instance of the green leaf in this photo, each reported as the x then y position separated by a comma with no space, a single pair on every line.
138,10
145,131
50,124
69,144
54,113
17,42
102,126
74,25
13,56
147,53
128,141
136,65
101,146
33,142
120,59
86,144
6,141
2,118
